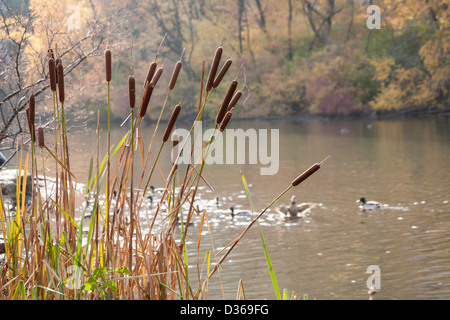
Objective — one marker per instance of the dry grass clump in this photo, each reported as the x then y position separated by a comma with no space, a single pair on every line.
108,254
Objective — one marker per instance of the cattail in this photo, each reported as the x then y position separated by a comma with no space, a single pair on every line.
226,101
57,61
222,73
132,91
108,70
52,73
30,126
214,67
305,175
60,73
235,100
225,121
145,100
172,120
150,73
175,73
41,137
32,105
156,77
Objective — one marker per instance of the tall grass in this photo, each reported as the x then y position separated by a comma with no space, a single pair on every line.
48,252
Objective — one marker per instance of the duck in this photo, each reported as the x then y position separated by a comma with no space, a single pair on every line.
178,222
368,205
295,210
156,190
240,213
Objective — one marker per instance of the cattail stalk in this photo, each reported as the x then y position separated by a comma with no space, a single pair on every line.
226,101
132,91
145,100
41,137
171,123
214,67
150,73
30,126
222,73
108,65
225,121
52,73
156,77
169,127
307,173
32,105
234,101
60,73
108,73
175,73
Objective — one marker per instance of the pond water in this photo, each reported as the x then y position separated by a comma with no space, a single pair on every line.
404,164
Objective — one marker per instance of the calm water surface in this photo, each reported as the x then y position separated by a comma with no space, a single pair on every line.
404,164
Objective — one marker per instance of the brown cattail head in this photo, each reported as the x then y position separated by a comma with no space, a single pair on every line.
156,77
222,73
31,126
171,123
225,121
145,100
226,101
60,73
235,100
57,61
214,67
175,73
108,66
150,73
32,105
305,175
52,73
132,91
41,137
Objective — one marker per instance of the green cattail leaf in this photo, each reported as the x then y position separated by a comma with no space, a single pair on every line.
266,252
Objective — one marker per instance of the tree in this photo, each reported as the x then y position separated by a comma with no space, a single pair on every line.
24,41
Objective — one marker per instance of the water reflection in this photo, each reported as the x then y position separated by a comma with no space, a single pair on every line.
403,164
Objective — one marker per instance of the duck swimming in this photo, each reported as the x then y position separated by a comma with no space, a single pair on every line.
368,205
240,213
295,210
